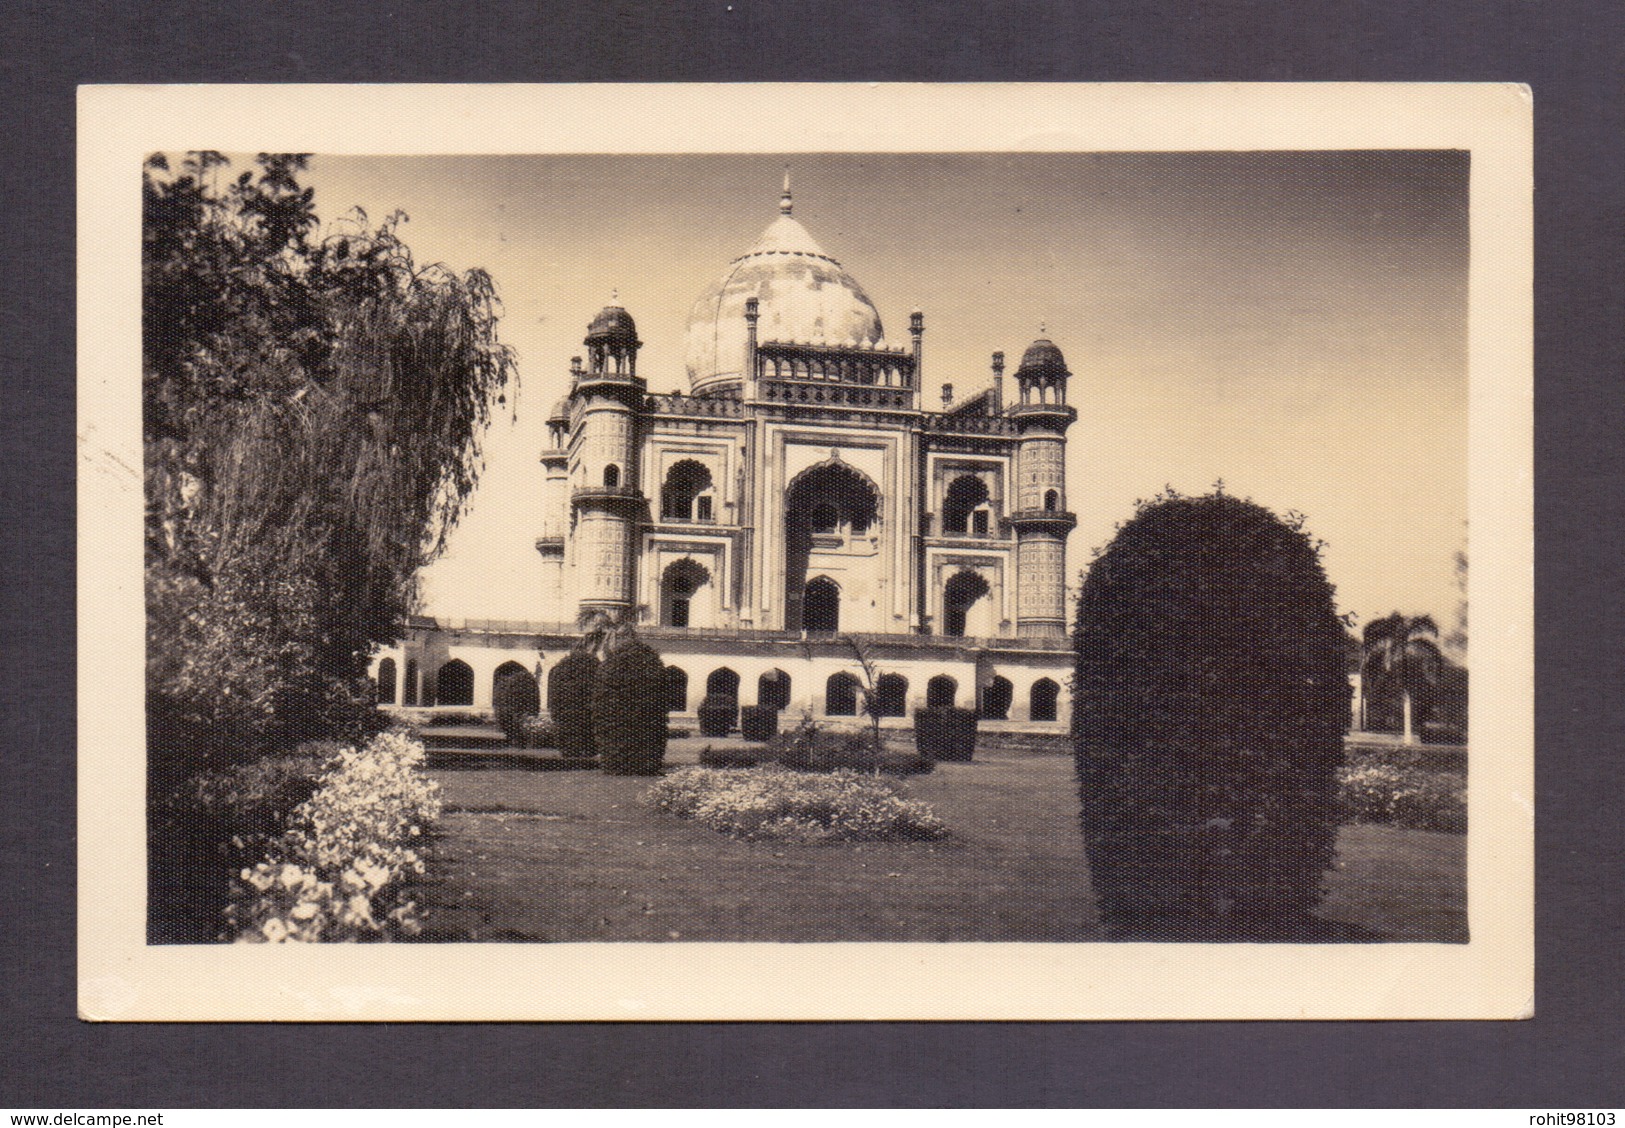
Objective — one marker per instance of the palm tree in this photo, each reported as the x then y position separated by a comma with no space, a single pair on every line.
1403,652
870,691
601,631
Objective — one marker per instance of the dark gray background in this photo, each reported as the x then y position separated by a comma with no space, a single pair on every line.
1572,1055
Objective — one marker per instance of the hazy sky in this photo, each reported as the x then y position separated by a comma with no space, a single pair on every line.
1294,323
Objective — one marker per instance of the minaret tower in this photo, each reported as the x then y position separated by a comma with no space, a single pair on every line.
1041,518
605,500
555,512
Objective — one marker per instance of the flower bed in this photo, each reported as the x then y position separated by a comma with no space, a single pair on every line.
1378,792
774,802
335,872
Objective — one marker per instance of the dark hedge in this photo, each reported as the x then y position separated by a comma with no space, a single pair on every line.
628,713
718,714
515,698
1210,702
944,732
569,702
759,723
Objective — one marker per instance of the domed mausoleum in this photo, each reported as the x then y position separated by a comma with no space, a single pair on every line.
802,490
804,295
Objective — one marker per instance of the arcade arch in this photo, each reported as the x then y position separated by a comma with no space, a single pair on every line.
454,684
386,682
1045,694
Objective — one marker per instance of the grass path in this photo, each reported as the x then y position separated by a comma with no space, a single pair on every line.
576,856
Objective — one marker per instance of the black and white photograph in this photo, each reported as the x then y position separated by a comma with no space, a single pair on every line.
893,562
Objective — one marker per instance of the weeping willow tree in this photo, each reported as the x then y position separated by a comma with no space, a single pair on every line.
313,405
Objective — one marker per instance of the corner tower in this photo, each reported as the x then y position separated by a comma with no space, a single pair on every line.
606,503
550,543
1041,518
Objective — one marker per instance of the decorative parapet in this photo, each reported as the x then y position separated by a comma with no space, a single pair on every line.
951,424
823,362
820,394
714,407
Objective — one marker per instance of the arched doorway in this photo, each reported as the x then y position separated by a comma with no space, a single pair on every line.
940,692
841,695
1044,695
959,595
680,585
824,507
723,682
773,690
821,606
891,695
963,498
996,698
409,691
386,682
688,483
454,685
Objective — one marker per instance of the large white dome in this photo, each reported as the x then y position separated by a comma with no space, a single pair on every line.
803,295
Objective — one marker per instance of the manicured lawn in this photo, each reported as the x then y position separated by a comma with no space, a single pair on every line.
529,855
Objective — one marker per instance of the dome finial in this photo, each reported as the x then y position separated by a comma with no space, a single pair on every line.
784,200
615,296
1042,332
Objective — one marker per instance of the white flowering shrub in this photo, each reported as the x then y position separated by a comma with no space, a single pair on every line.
1411,797
344,853
774,802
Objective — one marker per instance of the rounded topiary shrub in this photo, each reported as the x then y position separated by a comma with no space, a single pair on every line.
718,714
569,701
759,723
944,732
628,718
1210,702
515,700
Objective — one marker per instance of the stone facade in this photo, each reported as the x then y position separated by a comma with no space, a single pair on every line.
801,493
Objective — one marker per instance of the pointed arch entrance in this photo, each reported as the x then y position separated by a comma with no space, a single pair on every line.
825,507
454,684
962,593
996,698
1045,694
773,690
386,682
821,606
682,594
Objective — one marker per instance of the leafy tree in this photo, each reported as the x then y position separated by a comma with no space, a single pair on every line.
312,410
1402,653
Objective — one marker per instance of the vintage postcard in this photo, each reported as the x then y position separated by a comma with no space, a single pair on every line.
798,552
